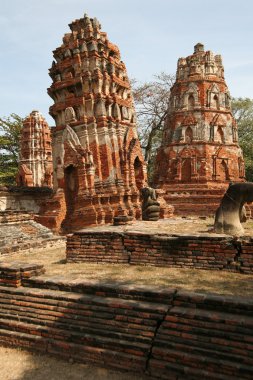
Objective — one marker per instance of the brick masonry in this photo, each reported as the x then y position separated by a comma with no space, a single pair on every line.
35,155
204,251
97,158
166,333
199,154
19,231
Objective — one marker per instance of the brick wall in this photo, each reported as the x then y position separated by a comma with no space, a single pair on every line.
204,336
208,251
166,333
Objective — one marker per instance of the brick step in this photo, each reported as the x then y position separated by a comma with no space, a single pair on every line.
82,324
173,371
191,320
85,302
203,361
194,194
201,344
201,304
215,318
94,320
83,319
197,185
112,330
196,337
78,352
114,343
189,203
155,296
203,337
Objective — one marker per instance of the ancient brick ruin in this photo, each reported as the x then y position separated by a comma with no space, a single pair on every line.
35,156
167,333
98,163
199,155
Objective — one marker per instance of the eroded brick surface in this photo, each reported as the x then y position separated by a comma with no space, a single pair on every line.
35,159
203,251
199,154
166,333
98,162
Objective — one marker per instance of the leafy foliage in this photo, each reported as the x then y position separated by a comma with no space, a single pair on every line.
10,129
151,101
242,109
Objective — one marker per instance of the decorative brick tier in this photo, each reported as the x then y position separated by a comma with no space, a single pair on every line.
204,251
97,157
15,273
192,200
11,216
199,154
35,155
204,336
18,231
113,332
165,333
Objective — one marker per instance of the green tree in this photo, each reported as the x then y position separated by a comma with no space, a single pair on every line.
242,109
10,129
151,101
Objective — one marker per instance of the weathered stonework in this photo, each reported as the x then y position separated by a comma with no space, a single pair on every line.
35,157
199,154
19,231
163,332
97,158
203,251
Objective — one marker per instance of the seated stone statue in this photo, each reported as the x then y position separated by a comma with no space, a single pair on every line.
150,205
231,212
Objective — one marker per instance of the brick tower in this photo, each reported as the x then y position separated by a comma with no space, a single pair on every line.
97,158
35,157
199,154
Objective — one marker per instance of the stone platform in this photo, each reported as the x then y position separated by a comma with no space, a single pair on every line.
166,333
19,231
161,244
193,199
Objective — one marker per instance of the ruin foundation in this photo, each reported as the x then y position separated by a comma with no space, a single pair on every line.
164,332
113,244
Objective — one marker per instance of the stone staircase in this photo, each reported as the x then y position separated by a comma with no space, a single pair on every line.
107,331
19,231
189,200
207,337
165,333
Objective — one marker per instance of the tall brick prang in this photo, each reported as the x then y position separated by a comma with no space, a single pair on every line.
199,155
35,156
97,158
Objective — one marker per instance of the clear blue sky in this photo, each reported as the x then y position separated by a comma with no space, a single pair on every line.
151,35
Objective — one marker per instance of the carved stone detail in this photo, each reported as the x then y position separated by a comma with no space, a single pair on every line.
96,147
35,157
200,141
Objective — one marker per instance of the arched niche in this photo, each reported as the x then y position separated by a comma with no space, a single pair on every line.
216,101
188,135
138,173
220,135
70,187
186,169
191,102
224,172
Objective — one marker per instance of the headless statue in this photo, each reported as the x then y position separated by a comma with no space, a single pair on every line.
150,205
231,212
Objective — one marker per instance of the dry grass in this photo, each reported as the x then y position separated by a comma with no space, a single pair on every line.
16,364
